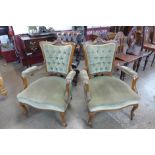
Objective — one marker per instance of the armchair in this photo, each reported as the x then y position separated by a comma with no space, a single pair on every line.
128,57
3,90
103,92
52,92
148,44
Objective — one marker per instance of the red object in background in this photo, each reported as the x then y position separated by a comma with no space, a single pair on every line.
24,45
9,55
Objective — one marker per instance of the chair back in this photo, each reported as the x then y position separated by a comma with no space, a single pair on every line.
99,59
19,46
57,56
119,38
147,34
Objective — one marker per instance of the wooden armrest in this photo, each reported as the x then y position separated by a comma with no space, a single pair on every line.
70,76
132,74
85,79
84,76
29,72
69,79
128,71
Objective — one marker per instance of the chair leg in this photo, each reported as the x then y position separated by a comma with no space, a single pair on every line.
91,115
135,65
146,60
3,90
132,111
63,120
24,108
153,60
138,64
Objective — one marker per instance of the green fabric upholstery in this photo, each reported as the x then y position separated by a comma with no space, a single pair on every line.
57,57
110,93
46,93
100,57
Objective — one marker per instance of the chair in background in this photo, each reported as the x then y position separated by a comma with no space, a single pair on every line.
52,92
104,92
124,56
120,39
3,90
132,50
147,44
139,35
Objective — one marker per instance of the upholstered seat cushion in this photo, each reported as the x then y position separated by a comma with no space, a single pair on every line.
109,93
45,93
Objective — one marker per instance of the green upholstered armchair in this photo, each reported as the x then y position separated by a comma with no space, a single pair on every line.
52,92
104,92
3,90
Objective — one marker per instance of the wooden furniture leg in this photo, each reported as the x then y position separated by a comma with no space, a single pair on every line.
122,76
63,120
24,108
153,60
146,60
3,91
138,64
135,65
90,119
132,111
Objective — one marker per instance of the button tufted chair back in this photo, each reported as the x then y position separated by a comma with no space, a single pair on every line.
100,58
58,58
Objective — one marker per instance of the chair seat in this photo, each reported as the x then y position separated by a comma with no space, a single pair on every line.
45,93
110,93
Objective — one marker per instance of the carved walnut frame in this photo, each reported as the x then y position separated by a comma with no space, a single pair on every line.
26,83
3,90
91,115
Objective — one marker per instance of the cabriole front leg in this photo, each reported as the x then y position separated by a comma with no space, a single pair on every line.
91,116
138,64
24,108
63,120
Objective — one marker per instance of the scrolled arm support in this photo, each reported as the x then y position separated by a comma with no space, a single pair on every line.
132,74
85,79
29,72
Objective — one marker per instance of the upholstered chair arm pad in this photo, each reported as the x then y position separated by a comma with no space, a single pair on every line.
129,71
132,74
84,76
31,70
85,79
70,76
69,79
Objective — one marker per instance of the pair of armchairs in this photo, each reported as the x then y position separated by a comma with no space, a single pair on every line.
102,91
3,90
